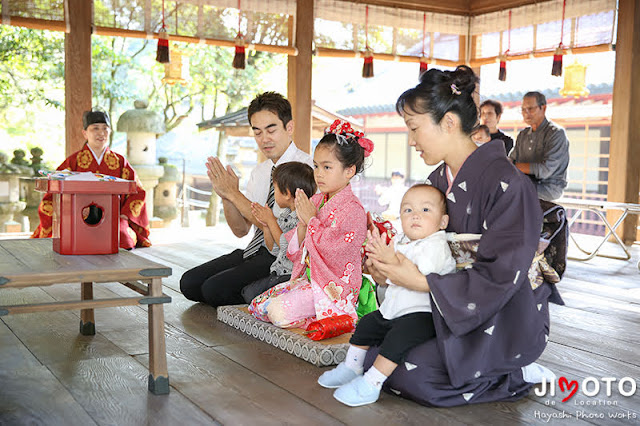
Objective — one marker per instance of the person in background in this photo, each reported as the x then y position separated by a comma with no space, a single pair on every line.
287,179
542,149
391,196
481,135
221,280
95,156
490,113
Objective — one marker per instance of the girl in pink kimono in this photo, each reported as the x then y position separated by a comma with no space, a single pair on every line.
326,245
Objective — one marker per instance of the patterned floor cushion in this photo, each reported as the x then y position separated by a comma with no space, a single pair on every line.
320,353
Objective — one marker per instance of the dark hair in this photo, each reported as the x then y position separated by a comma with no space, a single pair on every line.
442,91
293,175
349,154
497,106
273,102
443,200
483,128
540,99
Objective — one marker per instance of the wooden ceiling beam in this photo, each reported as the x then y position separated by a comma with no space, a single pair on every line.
480,7
452,7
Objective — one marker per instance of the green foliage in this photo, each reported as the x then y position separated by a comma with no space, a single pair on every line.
31,67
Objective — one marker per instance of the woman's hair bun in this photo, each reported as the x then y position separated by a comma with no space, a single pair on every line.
464,78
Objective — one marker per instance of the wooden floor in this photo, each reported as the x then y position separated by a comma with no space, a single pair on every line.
49,374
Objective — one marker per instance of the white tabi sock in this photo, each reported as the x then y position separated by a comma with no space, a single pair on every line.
536,373
355,358
375,378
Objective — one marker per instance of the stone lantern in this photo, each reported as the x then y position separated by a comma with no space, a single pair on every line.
142,127
10,203
165,199
28,193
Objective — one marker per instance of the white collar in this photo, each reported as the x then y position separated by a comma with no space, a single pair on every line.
98,159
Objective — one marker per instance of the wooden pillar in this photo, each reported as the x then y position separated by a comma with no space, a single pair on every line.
77,71
624,151
304,39
291,67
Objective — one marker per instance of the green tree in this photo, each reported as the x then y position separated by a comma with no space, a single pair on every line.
31,67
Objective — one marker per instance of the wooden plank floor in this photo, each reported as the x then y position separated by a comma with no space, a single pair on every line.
49,374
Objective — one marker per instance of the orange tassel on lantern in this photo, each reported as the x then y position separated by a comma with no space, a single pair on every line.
239,58
367,67
424,65
556,69
162,54
502,74
330,327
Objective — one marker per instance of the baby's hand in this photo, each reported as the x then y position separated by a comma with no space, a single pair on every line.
378,249
263,214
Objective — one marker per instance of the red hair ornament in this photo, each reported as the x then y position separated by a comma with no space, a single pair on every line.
343,131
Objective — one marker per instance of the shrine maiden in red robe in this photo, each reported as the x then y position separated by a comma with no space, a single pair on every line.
134,222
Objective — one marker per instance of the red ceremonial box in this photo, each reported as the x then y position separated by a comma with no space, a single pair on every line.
71,234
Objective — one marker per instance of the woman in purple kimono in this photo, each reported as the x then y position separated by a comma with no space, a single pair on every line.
490,324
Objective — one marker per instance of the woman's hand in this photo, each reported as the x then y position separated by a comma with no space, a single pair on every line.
404,273
263,214
304,207
372,269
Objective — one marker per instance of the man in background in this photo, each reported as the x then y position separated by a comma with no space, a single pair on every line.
490,113
542,149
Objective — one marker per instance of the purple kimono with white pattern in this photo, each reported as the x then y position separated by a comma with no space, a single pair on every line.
489,322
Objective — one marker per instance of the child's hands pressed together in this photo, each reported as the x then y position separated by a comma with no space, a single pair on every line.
377,248
304,207
263,214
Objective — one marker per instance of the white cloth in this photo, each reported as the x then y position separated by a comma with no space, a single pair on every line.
258,185
430,255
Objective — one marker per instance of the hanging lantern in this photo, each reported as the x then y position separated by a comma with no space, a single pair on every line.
176,71
162,54
574,80
556,68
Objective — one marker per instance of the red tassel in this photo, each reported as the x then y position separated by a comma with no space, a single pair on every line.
424,66
556,69
239,57
330,327
502,75
367,67
162,54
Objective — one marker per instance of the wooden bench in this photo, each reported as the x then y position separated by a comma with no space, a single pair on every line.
600,208
33,263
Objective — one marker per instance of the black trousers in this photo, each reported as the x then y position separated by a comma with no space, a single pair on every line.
220,281
395,337
258,287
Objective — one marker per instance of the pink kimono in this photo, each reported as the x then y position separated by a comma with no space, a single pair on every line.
332,248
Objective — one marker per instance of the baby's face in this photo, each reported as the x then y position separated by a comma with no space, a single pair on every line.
480,137
421,213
